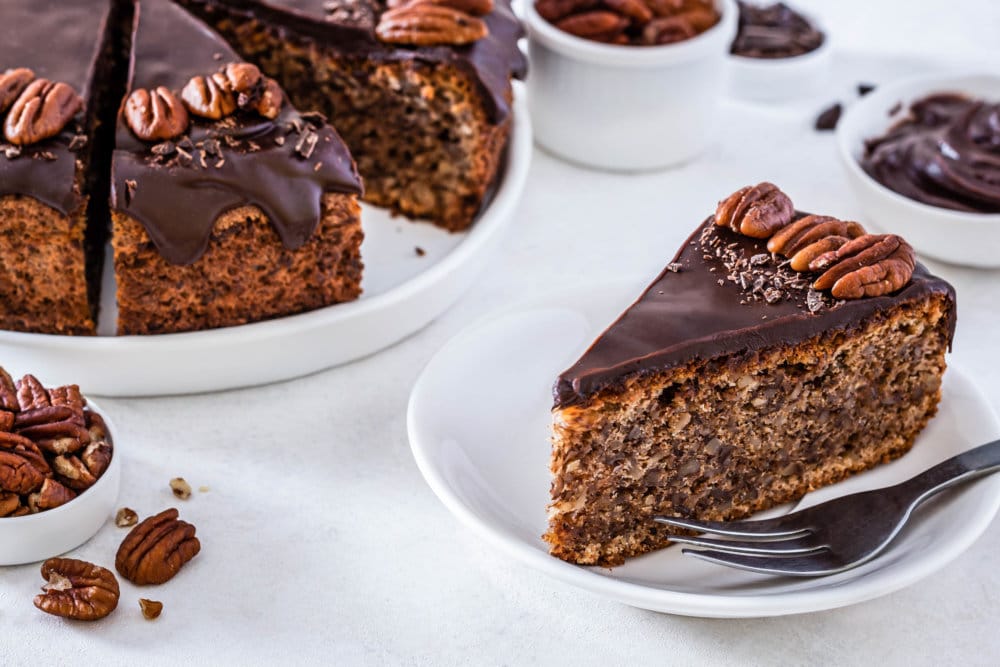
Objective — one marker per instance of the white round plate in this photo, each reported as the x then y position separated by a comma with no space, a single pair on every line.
479,426
403,292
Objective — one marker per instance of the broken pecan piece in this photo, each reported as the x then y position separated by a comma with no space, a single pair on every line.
51,495
870,265
151,609
72,472
126,518
428,25
155,550
77,590
12,84
757,211
17,474
271,99
97,457
9,503
155,115
41,111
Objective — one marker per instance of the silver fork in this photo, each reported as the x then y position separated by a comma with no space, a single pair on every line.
833,536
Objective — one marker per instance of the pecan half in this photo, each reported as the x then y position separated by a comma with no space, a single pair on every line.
156,115
8,392
807,238
96,427
45,415
155,550
31,394
41,111
51,495
870,265
12,84
427,25
471,7
757,211
77,590
667,30
26,449
553,10
207,97
17,474
244,80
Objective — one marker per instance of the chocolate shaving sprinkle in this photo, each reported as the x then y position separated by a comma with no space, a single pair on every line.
47,155
130,187
77,142
164,149
279,140
420,251
314,118
212,146
10,151
814,301
307,144
674,267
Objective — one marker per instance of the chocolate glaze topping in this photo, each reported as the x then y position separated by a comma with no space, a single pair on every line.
775,31
946,153
244,159
59,40
701,307
491,60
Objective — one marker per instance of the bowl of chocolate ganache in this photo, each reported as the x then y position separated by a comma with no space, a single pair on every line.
923,157
778,54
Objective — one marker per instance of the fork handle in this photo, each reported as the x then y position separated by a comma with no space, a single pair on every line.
969,465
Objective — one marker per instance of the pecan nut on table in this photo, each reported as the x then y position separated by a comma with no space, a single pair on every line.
630,22
52,447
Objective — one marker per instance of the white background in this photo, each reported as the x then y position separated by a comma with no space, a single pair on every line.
321,543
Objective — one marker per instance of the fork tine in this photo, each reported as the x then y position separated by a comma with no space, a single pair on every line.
796,546
817,565
762,529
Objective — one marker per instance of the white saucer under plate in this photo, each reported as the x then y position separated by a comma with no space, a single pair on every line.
479,424
404,291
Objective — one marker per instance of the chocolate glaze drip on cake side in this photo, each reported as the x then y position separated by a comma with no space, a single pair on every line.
491,60
179,203
59,40
946,154
699,308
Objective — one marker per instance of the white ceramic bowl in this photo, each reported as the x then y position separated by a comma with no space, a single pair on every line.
971,239
626,107
776,79
36,537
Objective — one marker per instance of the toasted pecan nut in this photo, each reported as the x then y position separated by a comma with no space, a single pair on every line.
156,115
77,590
151,609
870,265
470,7
45,415
12,84
598,24
69,396
52,494
26,449
17,474
31,394
8,392
244,80
126,517
637,10
667,30
428,25
155,550
207,97
553,10
72,472
41,111
756,211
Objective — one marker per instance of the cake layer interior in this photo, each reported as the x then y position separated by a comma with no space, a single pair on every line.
419,132
245,262
723,438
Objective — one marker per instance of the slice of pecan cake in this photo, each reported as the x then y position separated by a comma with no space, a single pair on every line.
777,353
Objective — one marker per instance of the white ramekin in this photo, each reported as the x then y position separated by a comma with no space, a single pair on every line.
970,239
36,537
777,79
626,107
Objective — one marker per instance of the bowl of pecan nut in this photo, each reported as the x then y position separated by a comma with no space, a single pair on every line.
922,156
627,84
59,469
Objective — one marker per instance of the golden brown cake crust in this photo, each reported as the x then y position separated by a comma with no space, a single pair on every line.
723,438
246,274
43,284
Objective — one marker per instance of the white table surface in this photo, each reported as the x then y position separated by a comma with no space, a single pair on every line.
322,544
